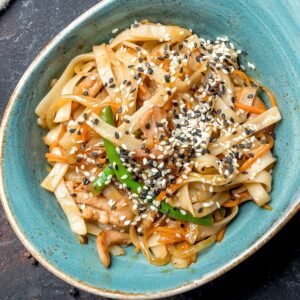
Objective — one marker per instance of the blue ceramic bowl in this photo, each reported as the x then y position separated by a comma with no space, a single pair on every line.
268,30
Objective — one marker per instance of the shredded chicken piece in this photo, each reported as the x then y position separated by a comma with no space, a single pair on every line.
108,238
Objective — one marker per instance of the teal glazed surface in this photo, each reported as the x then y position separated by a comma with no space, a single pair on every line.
267,30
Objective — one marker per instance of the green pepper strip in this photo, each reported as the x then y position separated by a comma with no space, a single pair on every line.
125,177
103,179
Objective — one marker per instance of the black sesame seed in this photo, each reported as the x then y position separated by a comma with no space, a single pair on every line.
130,66
117,136
112,86
150,71
85,93
200,209
138,48
96,121
110,80
251,154
73,195
126,132
72,130
250,96
167,78
86,181
133,90
140,69
120,110
85,116
148,125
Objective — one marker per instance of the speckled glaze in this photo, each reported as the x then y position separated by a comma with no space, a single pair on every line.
267,30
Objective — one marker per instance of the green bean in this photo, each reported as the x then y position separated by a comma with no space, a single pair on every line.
125,177
103,179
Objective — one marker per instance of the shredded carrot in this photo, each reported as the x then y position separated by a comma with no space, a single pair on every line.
261,150
241,74
166,64
248,108
143,92
244,195
188,104
259,103
220,234
231,203
267,207
56,158
114,107
269,93
171,189
137,249
53,145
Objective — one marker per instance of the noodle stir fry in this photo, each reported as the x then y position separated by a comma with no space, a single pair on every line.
155,139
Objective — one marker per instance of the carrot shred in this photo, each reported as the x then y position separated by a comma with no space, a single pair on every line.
269,93
248,108
188,104
56,158
231,203
166,64
261,150
241,74
244,195
171,189
220,234
267,207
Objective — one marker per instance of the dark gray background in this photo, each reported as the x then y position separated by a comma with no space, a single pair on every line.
272,273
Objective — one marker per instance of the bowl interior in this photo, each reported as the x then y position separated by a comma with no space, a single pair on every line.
253,26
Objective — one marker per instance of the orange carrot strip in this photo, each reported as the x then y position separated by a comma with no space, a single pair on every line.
269,93
258,152
171,189
231,203
248,108
220,234
56,158
241,74
166,64
267,207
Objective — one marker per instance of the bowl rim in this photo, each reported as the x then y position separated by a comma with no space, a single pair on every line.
289,212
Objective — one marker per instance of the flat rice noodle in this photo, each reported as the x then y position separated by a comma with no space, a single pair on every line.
184,199
64,113
258,193
105,71
227,97
55,176
243,98
53,134
215,202
198,195
160,98
150,32
206,231
55,92
70,209
159,251
180,263
256,124
225,109
86,101
108,132
193,249
93,229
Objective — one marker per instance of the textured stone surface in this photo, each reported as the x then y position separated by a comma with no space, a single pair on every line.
272,273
